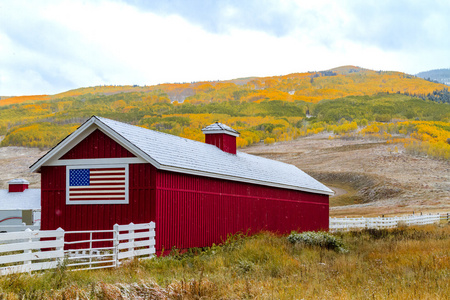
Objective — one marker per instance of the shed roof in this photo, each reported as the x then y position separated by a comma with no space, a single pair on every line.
173,153
18,181
220,128
28,199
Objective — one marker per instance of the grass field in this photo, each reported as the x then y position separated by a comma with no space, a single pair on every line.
402,263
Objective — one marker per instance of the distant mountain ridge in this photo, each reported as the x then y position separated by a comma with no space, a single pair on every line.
437,75
312,86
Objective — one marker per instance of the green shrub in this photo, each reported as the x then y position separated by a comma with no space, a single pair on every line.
317,239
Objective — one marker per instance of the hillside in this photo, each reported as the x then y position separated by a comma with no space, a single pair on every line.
438,75
342,100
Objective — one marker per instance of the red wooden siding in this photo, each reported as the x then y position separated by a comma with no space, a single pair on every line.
193,211
225,142
190,211
97,145
55,212
17,188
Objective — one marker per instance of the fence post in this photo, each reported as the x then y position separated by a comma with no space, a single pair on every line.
152,229
131,232
90,249
60,259
27,263
116,244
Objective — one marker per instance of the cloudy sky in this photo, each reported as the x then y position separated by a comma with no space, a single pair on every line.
47,47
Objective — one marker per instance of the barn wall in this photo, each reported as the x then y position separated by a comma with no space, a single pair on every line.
55,212
193,211
229,143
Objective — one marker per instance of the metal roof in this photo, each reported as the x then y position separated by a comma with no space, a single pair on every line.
220,128
173,153
28,199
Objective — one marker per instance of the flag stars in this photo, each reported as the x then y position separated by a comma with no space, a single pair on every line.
79,177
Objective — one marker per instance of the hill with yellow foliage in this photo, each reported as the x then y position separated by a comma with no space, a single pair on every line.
343,101
23,99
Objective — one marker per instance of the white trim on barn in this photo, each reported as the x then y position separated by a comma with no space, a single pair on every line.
97,161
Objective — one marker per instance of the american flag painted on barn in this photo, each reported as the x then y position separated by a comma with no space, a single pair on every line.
97,185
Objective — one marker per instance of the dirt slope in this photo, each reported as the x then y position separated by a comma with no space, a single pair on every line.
378,179
14,163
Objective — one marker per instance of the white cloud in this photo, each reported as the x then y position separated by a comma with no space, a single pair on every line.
52,46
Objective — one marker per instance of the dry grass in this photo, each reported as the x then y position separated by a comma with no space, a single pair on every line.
381,264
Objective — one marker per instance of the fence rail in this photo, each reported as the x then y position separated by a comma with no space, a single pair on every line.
347,224
29,250
19,227
445,217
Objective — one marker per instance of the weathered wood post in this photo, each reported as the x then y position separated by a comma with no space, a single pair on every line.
27,262
131,233
60,259
116,244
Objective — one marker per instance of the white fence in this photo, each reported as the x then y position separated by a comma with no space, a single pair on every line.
23,250
29,250
347,224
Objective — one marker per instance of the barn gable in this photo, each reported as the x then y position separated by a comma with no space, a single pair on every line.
109,147
97,145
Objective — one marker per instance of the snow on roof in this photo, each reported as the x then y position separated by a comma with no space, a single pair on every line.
187,156
18,181
28,199
220,128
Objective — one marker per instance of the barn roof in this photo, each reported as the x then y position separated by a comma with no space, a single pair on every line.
28,199
173,153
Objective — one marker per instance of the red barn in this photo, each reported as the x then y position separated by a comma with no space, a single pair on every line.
109,172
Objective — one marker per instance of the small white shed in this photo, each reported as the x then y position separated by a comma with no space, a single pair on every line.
19,205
